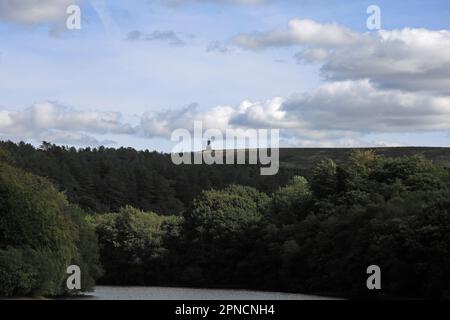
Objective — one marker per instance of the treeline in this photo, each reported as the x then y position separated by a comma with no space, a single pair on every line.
105,179
41,234
312,235
316,236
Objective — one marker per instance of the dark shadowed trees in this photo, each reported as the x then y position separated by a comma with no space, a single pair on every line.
41,234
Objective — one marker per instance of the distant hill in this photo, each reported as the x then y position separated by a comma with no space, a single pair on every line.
306,158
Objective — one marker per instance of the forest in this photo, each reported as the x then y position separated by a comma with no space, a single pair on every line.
130,217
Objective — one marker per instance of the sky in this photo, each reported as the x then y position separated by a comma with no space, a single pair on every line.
138,70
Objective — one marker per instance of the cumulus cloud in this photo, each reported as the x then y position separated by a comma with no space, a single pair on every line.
338,113
51,120
312,55
222,120
407,59
358,106
265,114
57,116
34,11
299,32
163,123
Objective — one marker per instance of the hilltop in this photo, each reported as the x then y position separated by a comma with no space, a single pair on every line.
306,158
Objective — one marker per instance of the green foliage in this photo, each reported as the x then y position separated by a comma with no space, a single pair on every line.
18,274
38,237
392,212
316,234
324,179
226,211
105,180
290,203
88,256
132,245
221,226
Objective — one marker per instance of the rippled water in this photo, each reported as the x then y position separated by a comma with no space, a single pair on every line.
163,293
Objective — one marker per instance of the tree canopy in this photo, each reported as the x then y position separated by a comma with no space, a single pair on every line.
41,234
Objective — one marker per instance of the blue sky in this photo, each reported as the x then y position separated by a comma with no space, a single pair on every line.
137,70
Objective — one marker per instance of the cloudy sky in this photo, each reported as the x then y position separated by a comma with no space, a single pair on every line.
137,70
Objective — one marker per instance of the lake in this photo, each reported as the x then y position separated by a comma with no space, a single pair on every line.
164,293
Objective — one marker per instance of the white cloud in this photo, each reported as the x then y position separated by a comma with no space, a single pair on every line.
161,124
56,116
311,55
299,32
407,59
248,114
337,113
360,107
266,114
34,11
50,120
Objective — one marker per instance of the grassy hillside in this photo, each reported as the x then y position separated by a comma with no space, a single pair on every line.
306,158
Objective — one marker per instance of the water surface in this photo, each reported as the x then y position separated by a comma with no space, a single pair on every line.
164,293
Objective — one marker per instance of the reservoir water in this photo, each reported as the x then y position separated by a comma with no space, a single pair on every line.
164,293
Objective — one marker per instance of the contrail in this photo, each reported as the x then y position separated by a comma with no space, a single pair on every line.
111,27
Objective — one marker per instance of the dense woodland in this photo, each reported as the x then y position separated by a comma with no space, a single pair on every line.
133,218
105,179
41,234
